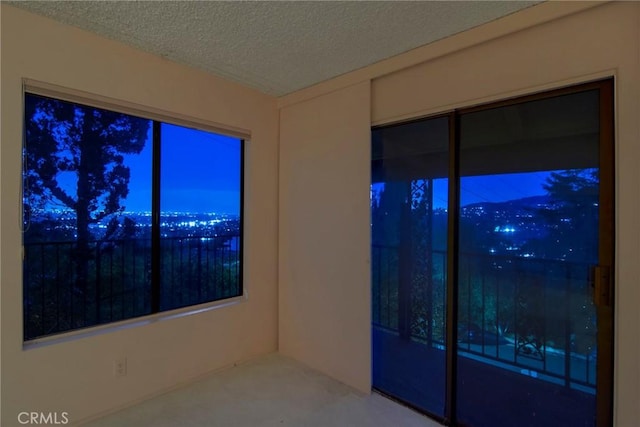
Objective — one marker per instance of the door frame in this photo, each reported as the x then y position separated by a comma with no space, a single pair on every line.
606,244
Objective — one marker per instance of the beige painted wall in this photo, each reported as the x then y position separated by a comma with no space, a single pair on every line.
323,251
550,45
324,234
77,376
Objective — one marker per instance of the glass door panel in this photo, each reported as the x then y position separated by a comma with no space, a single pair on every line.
409,252
528,239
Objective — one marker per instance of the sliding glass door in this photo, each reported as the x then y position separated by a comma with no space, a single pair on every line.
409,251
492,233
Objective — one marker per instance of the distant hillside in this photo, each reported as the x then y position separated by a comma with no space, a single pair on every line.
525,202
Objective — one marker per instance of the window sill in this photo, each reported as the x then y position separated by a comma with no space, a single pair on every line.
93,331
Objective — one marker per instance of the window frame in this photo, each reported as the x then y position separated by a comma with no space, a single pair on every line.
157,117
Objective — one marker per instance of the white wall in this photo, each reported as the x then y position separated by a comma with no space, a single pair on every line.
550,45
324,267
77,376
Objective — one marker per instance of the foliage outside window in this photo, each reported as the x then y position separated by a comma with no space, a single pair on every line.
124,216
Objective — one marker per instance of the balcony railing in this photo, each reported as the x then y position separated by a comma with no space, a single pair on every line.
532,316
67,290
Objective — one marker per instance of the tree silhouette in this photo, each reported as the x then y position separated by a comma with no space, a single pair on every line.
573,219
66,140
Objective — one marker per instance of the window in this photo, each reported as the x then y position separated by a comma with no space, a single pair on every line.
124,216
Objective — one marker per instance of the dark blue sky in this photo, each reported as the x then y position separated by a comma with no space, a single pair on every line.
499,188
490,188
200,172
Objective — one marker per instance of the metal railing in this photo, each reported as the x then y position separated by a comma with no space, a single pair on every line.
67,289
529,315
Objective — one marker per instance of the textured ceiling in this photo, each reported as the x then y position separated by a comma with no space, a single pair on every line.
276,47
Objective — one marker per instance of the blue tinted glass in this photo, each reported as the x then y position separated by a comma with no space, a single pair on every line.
200,216
408,261
86,201
528,236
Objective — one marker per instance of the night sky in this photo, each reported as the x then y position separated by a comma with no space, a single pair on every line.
200,172
500,188
489,188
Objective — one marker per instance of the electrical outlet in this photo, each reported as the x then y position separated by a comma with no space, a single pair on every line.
120,367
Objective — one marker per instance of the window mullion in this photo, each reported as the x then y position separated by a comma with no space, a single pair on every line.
155,219
452,268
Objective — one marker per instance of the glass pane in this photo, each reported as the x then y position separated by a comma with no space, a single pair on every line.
528,237
86,201
200,216
408,260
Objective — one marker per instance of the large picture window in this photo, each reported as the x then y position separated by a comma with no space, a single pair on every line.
124,216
